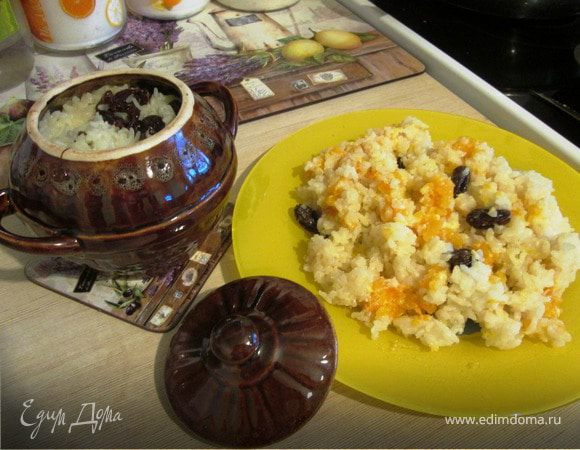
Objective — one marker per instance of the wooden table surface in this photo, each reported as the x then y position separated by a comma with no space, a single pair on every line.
62,354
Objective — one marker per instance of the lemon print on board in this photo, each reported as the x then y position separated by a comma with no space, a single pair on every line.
115,12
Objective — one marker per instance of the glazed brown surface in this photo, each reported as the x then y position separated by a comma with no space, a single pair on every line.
142,211
117,195
252,362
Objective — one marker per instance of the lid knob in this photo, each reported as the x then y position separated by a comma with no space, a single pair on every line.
234,339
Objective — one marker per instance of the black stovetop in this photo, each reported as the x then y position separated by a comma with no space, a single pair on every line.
534,62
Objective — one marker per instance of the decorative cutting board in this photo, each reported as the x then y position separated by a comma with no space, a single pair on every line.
376,62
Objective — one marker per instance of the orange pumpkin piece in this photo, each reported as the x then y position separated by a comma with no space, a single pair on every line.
395,301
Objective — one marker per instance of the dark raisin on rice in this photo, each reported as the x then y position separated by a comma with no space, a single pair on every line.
482,220
503,217
121,113
307,217
141,95
471,327
113,119
132,113
400,163
106,100
118,113
460,257
150,125
461,176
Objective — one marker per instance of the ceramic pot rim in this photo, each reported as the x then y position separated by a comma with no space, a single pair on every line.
183,115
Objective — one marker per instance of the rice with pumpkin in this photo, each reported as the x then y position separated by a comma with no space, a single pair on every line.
427,236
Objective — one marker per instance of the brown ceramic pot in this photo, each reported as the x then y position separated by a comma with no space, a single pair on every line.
144,207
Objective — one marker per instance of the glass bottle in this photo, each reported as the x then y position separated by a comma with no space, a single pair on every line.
16,58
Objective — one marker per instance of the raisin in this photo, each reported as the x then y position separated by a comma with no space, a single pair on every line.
131,110
307,217
116,106
503,216
400,163
480,219
459,257
460,177
116,110
141,95
150,125
106,99
110,117
471,327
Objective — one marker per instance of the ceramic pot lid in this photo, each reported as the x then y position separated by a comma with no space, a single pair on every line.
252,362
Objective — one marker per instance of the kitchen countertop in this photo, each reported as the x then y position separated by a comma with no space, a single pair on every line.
62,354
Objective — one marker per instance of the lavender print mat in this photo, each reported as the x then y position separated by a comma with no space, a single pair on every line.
245,51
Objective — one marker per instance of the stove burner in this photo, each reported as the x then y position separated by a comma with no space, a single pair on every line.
521,9
530,60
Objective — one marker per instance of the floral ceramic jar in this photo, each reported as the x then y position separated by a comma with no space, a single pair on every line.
74,24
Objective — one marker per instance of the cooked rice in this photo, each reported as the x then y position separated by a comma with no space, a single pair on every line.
387,234
78,126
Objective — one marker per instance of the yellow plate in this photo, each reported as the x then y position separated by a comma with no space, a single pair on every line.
464,379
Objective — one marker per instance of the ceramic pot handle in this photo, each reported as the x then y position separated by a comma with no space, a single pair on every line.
223,94
53,246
